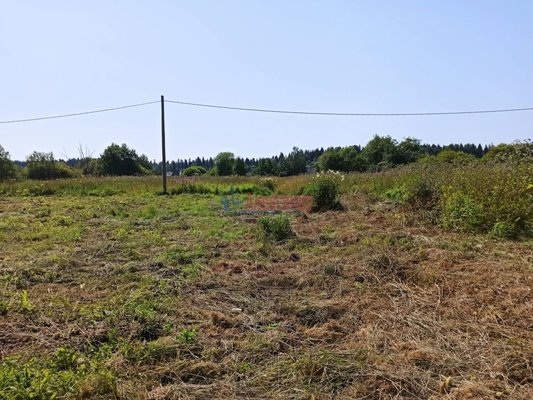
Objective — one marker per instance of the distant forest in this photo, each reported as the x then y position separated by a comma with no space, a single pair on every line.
380,153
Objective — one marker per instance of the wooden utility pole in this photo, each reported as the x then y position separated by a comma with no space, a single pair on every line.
163,144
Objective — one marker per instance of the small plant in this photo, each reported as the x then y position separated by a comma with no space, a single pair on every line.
178,255
504,229
397,194
65,359
276,227
25,303
268,183
4,307
325,190
187,336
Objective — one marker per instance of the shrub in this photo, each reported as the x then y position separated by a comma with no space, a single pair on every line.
461,212
493,199
503,229
518,152
63,171
397,194
276,227
450,157
42,166
325,190
194,170
423,195
268,183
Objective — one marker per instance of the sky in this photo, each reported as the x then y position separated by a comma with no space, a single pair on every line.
347,56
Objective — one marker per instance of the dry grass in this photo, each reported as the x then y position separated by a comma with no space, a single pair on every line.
181,302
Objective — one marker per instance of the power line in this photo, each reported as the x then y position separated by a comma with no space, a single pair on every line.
16,121
274,111
340,114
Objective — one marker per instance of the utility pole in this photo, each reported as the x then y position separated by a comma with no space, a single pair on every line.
163,144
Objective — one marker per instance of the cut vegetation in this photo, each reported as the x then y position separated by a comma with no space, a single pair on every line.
419,288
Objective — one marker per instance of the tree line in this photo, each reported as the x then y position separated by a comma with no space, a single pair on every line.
381,152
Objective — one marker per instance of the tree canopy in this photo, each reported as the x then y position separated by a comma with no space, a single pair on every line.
121,160
7,167
224,163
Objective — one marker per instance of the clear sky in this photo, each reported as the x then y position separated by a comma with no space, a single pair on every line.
64,56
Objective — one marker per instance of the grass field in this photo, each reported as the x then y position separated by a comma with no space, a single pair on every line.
110,290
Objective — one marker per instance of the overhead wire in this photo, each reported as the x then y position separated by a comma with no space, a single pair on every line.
263,110
274,111
15,121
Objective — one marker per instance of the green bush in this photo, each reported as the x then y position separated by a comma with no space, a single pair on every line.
519,152
503,229
268,183
462,213
63,171
325,190
194,170
276,227
493,199
397,194
42,166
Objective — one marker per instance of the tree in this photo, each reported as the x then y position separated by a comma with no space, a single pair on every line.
332,160
379,151
121,160
454,157
86,161
265,166
239,168
7,167
353,159
294,164
43,166
224,163
408,151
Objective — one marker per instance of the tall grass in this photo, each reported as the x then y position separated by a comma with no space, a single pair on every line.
87,186
482,197
492,198
108,186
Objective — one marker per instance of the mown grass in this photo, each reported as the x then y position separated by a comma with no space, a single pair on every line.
135,295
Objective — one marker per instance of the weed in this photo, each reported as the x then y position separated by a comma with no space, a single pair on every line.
325,190
268,183
149,352
276,228
397,194
178,255
504,229
462,213
25,303
62,375
187,336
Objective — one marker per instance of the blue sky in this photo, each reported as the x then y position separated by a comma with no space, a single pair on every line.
61,57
